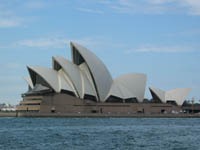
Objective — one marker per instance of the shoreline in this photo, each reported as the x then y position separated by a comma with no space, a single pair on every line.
95,115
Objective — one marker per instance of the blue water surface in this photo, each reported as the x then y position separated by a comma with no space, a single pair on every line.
99,134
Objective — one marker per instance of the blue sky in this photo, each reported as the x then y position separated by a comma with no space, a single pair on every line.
158,37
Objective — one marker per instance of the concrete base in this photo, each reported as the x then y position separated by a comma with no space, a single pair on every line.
96,115
63,105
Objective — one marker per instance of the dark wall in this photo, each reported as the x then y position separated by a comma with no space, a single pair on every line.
63,103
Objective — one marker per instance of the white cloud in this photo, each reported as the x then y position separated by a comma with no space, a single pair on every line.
90,42
35,5
161,1
10,22
162,49
100,43
186,33
87,10
143,6
59,42
191,7
43,42
104,2
8,19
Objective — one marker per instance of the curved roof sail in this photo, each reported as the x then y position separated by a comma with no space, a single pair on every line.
63,82
71,70
29,82
48,75
84,69
118,90
87,87
99,73
158,94
135,83
179,95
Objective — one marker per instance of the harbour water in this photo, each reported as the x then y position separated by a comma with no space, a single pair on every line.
99,133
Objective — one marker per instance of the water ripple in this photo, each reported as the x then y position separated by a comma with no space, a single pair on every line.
99,133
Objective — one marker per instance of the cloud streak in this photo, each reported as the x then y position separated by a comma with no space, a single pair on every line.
11,22
58,42
162,49
87,10
43,42
35,5
8,19
96,43
193,6
190,7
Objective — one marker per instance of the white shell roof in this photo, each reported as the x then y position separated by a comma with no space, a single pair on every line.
135,83
49,75
63,82
29,82
159,93
87,87
178,95
120,91
72,71
100,74
83,67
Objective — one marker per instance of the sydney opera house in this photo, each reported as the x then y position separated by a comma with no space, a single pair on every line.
85,85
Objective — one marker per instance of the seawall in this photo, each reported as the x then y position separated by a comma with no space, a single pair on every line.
96,115
8,114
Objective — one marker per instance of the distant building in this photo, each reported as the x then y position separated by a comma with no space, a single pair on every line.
7,107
